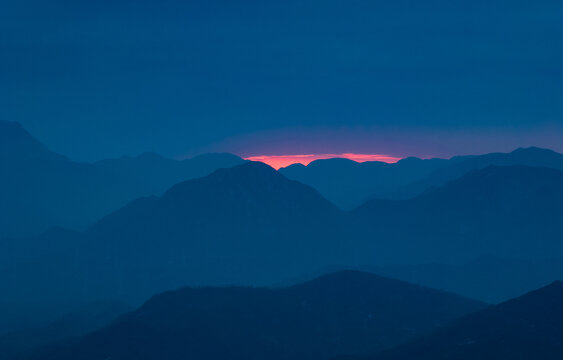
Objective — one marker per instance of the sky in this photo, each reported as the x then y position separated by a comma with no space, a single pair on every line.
97,79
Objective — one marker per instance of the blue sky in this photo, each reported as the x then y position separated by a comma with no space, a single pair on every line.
94,79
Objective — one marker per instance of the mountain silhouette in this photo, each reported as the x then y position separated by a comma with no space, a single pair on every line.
249,225
461,165
17,144
243,225
490,279
77,320
506,211
528,327
41,189
344,312
349,184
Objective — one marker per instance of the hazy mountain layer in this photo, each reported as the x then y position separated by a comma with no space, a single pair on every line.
40,189
345,312
506,211
349,184
528,327
249,225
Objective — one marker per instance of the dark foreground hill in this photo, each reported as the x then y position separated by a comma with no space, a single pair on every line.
528,327
76,320
345,312
41,189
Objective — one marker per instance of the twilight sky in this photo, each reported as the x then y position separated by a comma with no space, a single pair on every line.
94,79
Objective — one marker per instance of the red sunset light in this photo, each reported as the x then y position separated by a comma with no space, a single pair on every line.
279,161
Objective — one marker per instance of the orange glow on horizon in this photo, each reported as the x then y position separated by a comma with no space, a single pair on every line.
279,161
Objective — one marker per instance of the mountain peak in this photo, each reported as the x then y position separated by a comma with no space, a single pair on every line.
345,276
252,182
17,144
532,149
249,173
339,161
410,160
538,156
12,132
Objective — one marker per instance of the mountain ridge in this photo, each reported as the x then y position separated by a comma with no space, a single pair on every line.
349,184
313,320
527,327
236,225
495,211
41,189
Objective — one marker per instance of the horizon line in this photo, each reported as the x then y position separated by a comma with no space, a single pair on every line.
281,161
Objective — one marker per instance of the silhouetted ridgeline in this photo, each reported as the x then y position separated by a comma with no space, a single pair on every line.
244,225
249,225
528,327
491,279
341,313
75,320
349,184
40,189
505,211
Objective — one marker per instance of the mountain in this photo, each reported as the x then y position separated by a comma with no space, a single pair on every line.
505,211
461,165
41,189
77,320
489,279
249,225
340,313
17,144
243,225
528,327
349,184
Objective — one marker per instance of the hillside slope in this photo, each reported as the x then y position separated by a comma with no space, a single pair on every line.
336,314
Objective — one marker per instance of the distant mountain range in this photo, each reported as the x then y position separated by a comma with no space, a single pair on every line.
528,327
244,225
249,225
41,189
341,313
488,227
506,211
349,184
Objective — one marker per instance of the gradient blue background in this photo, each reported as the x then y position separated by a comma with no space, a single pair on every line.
94,79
